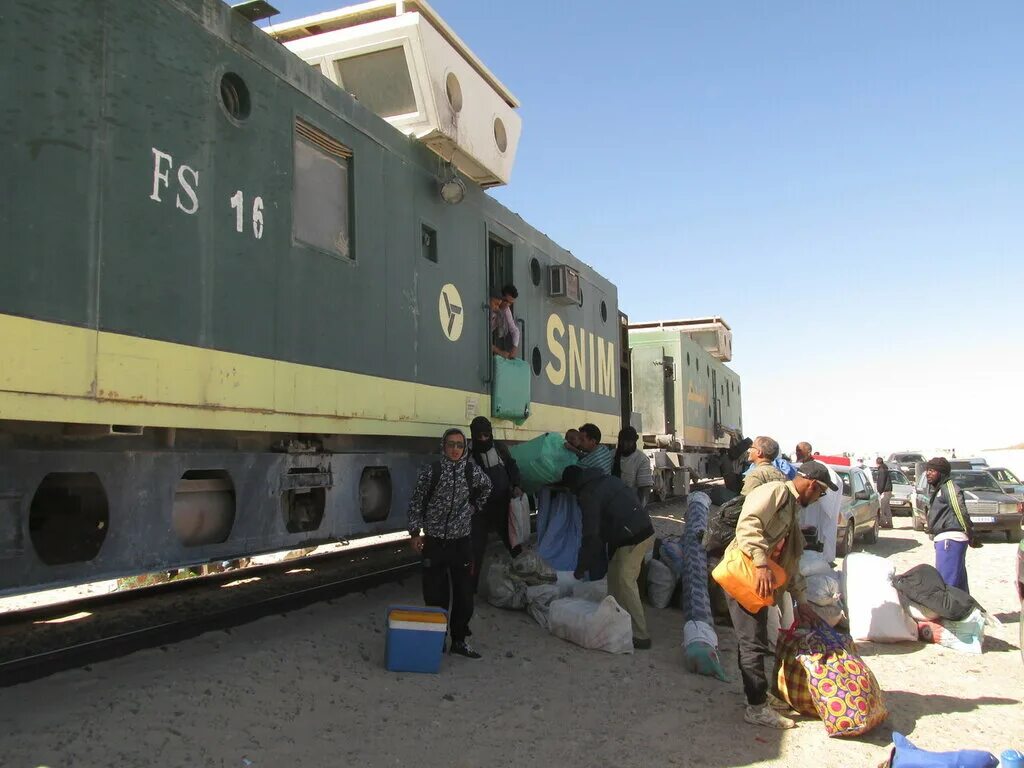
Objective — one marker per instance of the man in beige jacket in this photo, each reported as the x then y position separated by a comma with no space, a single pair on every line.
769,529
763,452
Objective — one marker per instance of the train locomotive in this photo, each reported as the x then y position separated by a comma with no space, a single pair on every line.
238,306
245,282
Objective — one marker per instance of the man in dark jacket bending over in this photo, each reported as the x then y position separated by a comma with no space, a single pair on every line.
612,517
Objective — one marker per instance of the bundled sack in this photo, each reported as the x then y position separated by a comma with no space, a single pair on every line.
819,673
603,626
661,584
504,588
923,586
539,599
542,460
822,586
559,529
531,568
873,605
519,521
966,636
906,755
735,574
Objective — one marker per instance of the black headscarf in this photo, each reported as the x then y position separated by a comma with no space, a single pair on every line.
480,426
627,435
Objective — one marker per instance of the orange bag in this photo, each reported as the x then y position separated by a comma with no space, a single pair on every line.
735,574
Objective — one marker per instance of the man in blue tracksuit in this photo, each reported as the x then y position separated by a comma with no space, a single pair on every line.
948,523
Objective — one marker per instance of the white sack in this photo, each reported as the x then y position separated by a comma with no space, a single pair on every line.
872,603
539,599
603,626
505,590
661,583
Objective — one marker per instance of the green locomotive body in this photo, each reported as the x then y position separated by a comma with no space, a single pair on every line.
236,313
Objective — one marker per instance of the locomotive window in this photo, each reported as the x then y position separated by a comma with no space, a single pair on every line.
321,216
380,81
428,242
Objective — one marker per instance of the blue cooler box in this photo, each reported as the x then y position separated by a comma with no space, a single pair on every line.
415,638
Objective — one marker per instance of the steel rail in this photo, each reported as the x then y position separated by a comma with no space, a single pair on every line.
39,665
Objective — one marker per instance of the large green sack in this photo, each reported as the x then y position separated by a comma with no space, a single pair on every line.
542,460
510,393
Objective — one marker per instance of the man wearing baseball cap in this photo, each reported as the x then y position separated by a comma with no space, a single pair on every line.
949,523
769,529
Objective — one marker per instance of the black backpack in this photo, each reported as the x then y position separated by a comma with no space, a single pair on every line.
722,526
923,585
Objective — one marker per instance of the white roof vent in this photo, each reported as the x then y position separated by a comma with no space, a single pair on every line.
402,61
711,333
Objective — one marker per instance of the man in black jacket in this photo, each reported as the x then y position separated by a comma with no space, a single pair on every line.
948,523
613,517
499,466
884,493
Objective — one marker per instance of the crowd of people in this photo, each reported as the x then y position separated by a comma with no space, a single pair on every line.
462,498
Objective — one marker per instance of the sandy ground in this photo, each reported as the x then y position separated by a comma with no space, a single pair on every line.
310,689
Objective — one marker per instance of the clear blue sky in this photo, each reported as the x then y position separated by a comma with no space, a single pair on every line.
844,183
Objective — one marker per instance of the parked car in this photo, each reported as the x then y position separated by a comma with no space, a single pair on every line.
902,489
906,462
989,508
858,514
1007,481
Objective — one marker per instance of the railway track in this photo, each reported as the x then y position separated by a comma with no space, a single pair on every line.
42,641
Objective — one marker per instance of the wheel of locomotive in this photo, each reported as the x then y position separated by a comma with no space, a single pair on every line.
872,536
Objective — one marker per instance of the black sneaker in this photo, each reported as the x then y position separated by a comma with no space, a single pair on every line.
641,644
463,649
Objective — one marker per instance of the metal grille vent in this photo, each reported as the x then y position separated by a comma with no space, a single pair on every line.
320,139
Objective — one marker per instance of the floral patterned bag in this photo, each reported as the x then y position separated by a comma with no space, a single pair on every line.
819,672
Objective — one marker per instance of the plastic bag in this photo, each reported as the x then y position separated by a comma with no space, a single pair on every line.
531,568
735,574
539,599
504,589
603,626
559,528
966,636
519,521
542,460
593,591
661,583
906,755
820,673
872,602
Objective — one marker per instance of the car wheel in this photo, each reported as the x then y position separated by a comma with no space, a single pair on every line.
1013,536
845,547
872,536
